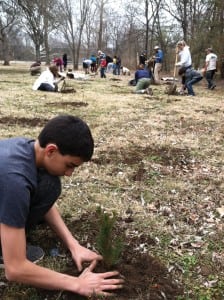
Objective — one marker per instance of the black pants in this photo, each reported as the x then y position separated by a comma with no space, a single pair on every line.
209,77
47,87
48,191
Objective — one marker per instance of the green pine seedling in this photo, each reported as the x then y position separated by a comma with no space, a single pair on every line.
109,246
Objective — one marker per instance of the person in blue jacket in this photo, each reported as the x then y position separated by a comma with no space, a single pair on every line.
93,64
158,58
143,79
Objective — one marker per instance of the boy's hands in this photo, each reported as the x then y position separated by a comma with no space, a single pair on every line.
98,283
81,254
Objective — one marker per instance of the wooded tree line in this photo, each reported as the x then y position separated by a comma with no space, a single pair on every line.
124,28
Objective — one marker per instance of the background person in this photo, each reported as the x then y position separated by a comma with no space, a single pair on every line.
93,67
158,58
125,71
58,62
191,77
143,80
142,58
48,80
65,61
100,55
210,67
35,68
86,65
114,64
103,66
29,187
185,61
118,66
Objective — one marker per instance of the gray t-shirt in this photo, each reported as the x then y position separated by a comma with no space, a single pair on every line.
18,180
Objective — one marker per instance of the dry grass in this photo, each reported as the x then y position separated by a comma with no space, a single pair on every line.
158,159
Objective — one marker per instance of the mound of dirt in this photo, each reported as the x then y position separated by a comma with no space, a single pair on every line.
146,277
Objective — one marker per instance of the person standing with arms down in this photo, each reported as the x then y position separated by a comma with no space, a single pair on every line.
29,187
65,61
103,66
142,58
210,67
93,67
158,59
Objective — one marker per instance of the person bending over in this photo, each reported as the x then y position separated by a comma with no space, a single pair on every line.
29,187
48,80
143,80
191,77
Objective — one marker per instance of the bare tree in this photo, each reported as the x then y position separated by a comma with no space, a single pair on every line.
101,28
39,20
150,9
189,14
50,22
8,19
73,20
90,34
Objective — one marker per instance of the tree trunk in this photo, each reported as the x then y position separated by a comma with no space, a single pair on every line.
46,44
5,49
147,26
100,37
37,50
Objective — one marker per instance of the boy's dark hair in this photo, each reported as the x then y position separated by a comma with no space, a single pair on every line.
71,135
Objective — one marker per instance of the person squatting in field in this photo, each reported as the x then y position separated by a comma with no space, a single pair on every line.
48,80
29,187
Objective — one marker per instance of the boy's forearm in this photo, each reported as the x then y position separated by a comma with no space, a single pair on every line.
55,221
31,274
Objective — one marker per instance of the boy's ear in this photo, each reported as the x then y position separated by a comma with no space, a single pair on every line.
50,148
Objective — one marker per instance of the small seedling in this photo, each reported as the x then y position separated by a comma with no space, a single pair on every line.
110,247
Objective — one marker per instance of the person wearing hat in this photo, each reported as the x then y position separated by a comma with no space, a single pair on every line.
158,58
210,67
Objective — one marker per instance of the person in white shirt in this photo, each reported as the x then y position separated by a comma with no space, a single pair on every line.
48,80
125,71
210,67
184,55
86,65
185,61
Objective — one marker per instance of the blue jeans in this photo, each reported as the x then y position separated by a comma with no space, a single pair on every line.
47,87
190,83
48,191
116,69
102,72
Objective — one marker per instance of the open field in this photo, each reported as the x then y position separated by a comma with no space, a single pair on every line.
158,163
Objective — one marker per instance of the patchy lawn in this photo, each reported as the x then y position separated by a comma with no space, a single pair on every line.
158,163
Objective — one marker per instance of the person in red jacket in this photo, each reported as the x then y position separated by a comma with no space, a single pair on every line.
103,66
